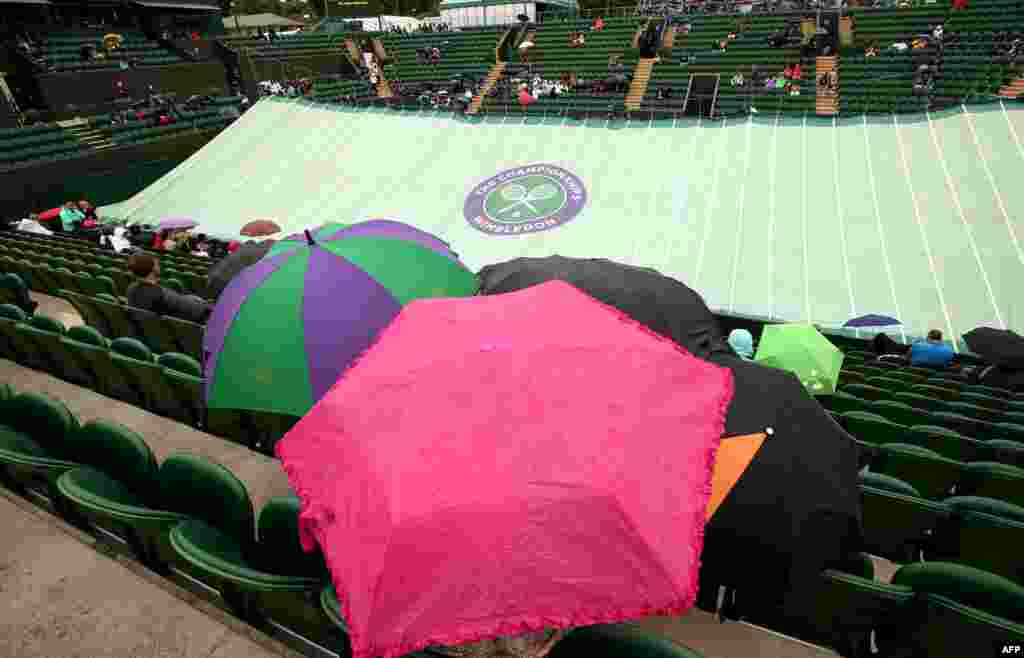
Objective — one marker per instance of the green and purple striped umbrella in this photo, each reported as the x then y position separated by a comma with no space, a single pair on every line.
286,328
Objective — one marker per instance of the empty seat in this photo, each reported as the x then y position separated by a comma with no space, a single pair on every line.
271,578
993,480
898,525
981,532
34,440
928,471
962,608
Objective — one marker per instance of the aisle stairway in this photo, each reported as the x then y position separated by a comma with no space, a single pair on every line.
637,88
91,137
827,101
492,79
1013,90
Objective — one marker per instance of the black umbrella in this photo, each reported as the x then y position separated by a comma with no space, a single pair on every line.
1000,347
796,508
657,301
227,268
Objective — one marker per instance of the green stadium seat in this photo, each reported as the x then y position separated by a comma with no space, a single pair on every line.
116,316
88,311
183,379
993,480
897,525
963,607
1004,452
867,392
946,442
188,335
35,442
152,330
11,346
897,412
872,428
40,337
928,471
841,402
269,579
981,532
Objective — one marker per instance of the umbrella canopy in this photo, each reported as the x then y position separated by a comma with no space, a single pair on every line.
796,510
1000,347
804,351
661,303
797,507
318,305
176,224
511,478
227,268
260,228
871,320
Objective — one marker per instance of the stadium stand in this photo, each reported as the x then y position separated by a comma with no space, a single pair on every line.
942,485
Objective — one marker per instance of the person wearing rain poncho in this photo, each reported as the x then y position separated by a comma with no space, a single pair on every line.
742,342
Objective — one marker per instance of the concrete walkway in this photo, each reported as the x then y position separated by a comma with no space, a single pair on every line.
60,597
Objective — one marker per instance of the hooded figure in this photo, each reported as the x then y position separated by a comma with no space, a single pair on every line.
742,343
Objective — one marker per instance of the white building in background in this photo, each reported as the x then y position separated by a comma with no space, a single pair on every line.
479,13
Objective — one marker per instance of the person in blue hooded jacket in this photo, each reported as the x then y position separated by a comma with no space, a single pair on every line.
742,342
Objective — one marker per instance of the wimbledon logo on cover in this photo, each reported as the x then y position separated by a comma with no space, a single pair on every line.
527,199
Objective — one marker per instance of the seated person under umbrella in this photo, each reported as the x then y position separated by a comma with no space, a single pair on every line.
147,294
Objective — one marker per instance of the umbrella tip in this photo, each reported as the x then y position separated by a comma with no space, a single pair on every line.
309,238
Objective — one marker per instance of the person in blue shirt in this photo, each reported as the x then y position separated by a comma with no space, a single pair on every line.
931,352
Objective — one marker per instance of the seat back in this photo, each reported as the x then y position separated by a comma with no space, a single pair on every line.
866,391
189,336
151,328
946,442
926,470
983,533
207,491
965,585
872,428
132,348
180,363
993,480
87,335
117,451
888,483
897,525
46,420
1005,452
280,550
897,412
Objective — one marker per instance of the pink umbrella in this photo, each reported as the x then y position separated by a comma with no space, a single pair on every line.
503,464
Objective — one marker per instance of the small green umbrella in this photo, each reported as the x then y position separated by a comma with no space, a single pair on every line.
801,349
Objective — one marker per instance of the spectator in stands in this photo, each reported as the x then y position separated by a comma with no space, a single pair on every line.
871,50
737,80
617,74
524,51
525,99
70,217
147,294
88,213
931,352
742,342
598,24
158,240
